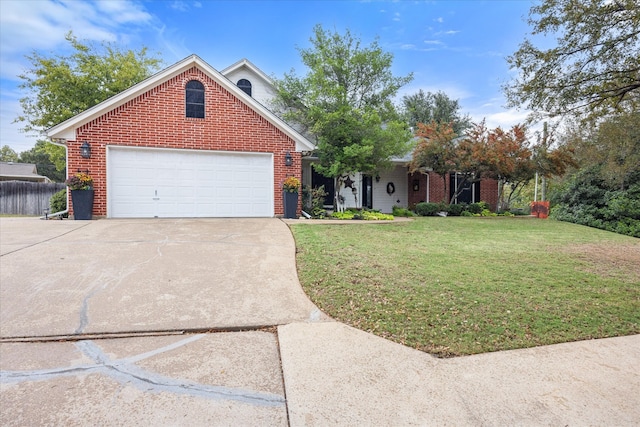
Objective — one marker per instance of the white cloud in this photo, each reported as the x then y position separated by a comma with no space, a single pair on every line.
41,26
439,19
396,16
26,26
179,6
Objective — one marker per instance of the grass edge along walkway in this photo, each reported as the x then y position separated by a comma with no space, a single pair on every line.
456,286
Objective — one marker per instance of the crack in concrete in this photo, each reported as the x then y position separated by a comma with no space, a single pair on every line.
84,308
125,372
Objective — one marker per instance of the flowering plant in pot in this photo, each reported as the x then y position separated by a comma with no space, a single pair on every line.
290,188
291,184
80,181
81,186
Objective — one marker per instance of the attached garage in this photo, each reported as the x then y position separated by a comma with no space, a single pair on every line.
186,142
148,183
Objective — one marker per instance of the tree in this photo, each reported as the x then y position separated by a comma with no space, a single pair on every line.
613,146
438,107
618,149
60,87
344,101
595,67
435,149
510,161
40,157
8,154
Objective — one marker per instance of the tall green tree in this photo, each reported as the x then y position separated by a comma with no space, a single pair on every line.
59,87
345,102
39,156
593,69
424,108
8,154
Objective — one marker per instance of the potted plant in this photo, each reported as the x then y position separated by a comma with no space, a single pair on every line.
290,188
81,186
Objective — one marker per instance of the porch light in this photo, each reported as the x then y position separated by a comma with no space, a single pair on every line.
85,150
288,160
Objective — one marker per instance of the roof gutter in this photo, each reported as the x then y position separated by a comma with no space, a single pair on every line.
66,160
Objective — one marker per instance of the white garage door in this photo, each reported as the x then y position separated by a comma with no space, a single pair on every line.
147,183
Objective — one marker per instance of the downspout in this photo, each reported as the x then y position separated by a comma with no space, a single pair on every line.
66,159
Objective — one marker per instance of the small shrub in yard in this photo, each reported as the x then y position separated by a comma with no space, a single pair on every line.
456,210
476,208
314,201
428,209
58,202
362,215
400,211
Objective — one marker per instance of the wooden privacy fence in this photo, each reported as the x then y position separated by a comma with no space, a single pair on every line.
26,198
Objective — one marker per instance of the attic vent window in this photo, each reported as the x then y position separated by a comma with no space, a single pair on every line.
245,85
194,95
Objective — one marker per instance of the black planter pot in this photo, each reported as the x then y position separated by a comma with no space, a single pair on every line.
82,203
290,201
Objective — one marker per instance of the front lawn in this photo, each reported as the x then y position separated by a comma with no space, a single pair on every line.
454,286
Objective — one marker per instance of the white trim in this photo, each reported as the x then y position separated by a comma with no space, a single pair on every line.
244,62
67,129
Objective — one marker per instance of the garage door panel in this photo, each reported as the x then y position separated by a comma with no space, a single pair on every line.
179,183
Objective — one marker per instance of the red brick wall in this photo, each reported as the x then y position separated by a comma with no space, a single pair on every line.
157,119
439,189
489,192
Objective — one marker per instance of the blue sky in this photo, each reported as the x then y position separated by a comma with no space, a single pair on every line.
458,47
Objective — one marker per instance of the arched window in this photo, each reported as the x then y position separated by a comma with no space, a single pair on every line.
194,96
245,85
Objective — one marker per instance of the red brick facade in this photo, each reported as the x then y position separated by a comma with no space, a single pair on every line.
439,189
157,119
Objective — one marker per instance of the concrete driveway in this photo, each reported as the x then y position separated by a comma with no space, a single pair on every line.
118,276
203,322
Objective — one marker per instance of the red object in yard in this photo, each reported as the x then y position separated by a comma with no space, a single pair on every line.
540,209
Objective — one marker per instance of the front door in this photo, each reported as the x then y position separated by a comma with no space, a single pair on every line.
318,180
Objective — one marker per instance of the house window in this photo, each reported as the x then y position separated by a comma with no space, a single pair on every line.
194,95
245,85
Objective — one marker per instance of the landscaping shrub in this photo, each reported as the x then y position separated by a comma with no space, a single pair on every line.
456,210
58,202
475,208
314,201
400,211
429,209
587,199
357,214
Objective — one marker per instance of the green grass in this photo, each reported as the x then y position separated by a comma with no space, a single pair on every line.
454,286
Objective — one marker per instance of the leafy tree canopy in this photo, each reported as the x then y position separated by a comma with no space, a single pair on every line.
595,67
8,154
438,107
59,87
345,102
612,148
39,156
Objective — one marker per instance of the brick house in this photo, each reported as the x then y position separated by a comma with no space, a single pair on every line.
186,142
191,141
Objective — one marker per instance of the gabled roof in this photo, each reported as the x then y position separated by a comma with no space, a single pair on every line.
67,129
20,172
245,63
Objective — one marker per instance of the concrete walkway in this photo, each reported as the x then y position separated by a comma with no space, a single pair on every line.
203,322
